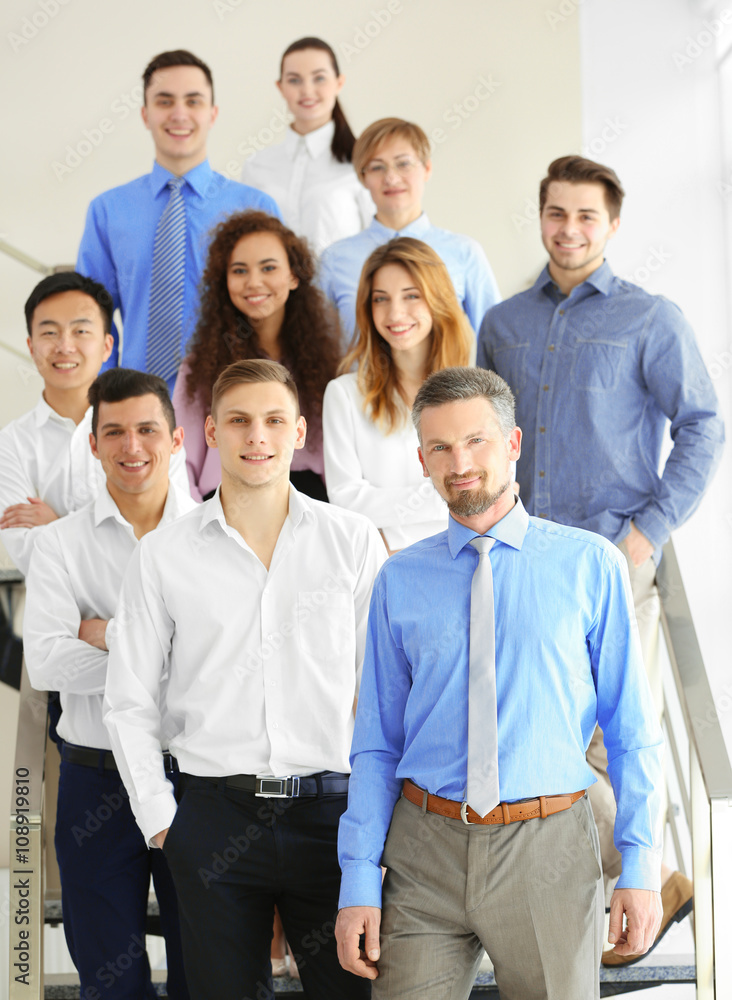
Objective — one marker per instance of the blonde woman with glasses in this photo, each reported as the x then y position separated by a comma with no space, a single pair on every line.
392,161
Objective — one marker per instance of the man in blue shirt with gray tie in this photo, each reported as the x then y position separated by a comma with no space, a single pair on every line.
479,712
601,369
146,241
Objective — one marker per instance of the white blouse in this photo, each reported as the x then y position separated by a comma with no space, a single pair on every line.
377,474
320,198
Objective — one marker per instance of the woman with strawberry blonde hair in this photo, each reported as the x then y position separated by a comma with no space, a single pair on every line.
409,324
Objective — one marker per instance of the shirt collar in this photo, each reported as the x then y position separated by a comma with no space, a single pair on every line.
510,530
316,143
198,178
43,413
417,229
601,279
105,507
299,509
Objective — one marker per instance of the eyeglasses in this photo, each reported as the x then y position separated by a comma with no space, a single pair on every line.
378,168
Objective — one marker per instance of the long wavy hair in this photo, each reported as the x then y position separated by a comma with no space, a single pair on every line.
343,138
451,337
310,335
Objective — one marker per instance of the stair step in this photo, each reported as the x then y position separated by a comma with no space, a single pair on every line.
613,982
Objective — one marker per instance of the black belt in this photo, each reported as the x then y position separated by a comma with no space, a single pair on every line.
290,787
89,757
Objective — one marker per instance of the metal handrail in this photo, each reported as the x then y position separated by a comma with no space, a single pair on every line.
26,845
35,265
710,791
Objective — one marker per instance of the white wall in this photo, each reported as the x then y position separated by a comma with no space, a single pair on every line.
650,69
84,64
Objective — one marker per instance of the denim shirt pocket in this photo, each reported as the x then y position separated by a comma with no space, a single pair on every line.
510,362
596,364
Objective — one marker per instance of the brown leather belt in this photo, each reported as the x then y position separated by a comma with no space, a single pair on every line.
505,812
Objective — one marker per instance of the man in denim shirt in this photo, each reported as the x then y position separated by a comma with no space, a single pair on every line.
598,366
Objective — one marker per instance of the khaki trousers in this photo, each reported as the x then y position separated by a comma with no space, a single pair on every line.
648,612
530,893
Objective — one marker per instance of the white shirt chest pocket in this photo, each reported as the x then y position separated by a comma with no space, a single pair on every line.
326,623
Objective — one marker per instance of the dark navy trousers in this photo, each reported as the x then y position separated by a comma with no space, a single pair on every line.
234,857
105,871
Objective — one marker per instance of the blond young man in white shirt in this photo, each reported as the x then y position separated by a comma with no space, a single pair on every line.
71,616
246,631
46,466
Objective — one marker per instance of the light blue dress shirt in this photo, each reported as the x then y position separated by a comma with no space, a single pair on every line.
464,258
596,375
117,245
567,656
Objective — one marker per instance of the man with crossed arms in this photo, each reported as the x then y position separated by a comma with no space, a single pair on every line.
492,843
72,616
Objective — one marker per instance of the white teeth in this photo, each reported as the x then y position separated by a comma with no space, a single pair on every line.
179,131
64,365
133,465
256,458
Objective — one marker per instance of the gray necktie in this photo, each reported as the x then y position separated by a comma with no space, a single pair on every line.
482,715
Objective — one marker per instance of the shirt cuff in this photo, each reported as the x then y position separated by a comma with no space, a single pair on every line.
653,526
109,634
156,815
360,884
641,869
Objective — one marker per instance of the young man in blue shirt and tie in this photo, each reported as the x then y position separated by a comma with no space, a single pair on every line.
485,674
600,367
146,241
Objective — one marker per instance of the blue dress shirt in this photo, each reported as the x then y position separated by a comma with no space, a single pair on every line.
117,245
464,258
596,375
567,656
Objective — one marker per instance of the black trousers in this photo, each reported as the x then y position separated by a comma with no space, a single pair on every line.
233,857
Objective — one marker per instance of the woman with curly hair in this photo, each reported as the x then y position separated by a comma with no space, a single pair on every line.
409,324
258,301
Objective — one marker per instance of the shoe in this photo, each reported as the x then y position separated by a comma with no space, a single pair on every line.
677,897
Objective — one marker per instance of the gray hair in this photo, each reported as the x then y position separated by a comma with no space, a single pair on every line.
452,385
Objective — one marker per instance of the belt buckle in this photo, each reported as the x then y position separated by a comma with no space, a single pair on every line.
464,814
276,788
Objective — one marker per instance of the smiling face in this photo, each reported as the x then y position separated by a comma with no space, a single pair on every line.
179,112
575,228
395,177
398,308
256,429
465,454
68,342
134,444
259,278
310,86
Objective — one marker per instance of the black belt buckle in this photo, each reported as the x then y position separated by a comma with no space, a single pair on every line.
277,788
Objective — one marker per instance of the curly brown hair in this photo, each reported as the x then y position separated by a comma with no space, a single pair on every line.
310,335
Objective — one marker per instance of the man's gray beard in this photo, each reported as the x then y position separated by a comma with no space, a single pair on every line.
468,503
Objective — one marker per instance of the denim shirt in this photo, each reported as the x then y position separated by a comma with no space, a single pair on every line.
597,374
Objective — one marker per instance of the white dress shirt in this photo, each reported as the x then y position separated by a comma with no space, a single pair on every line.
43,454
319,197
263,665
76,573
374,473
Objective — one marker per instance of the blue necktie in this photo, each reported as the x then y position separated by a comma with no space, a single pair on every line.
167,286
482,792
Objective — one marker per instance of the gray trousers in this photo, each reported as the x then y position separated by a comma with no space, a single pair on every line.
530,893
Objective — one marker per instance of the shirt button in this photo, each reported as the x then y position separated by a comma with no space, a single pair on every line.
545,388
542,474
275,725
561,312
551,347
542,430
543,515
